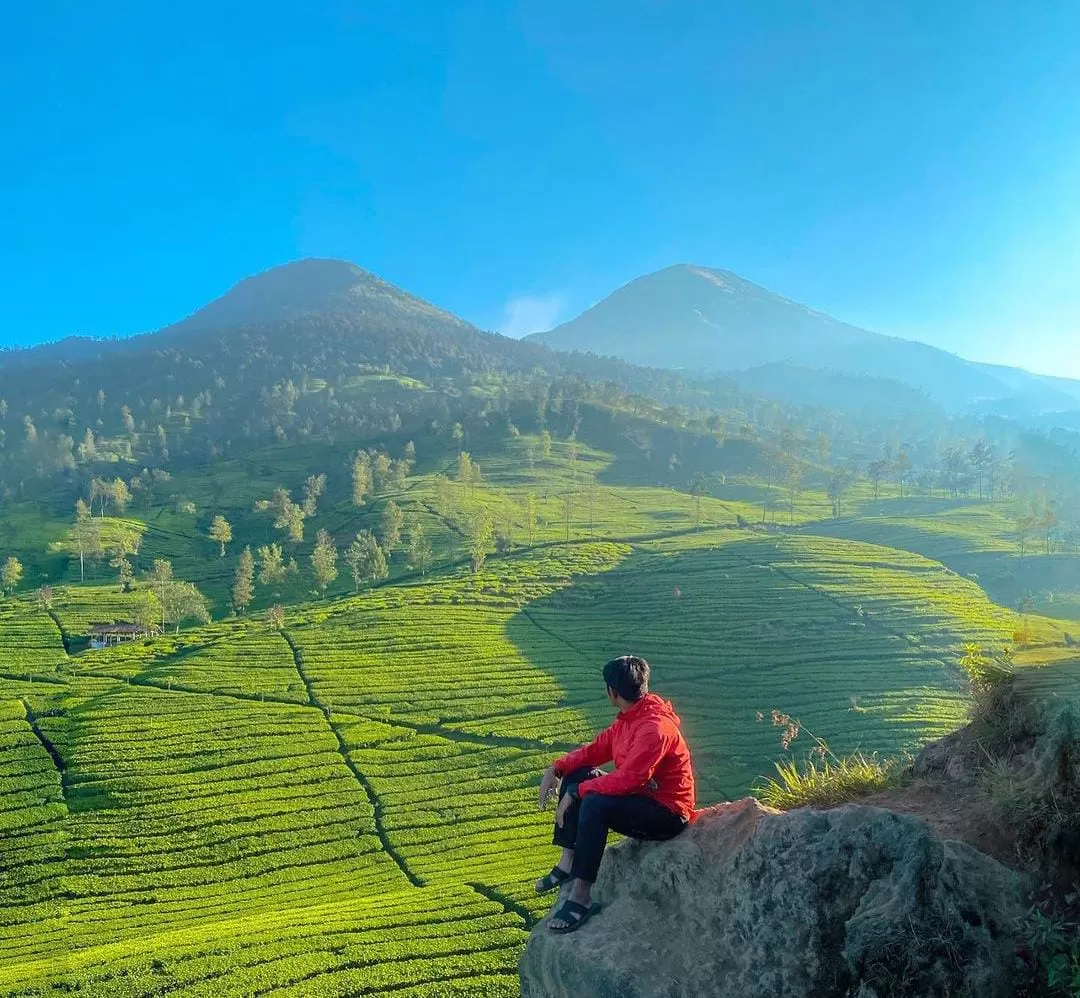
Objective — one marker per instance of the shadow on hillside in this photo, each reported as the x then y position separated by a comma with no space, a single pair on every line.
740,637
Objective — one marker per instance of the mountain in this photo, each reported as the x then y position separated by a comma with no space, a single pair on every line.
312,350
311,287
699,319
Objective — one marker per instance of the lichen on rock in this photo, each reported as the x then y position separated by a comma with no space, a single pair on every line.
853,902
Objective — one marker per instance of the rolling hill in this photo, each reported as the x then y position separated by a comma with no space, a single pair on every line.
330,787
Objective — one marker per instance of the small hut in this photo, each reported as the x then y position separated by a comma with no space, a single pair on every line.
105,635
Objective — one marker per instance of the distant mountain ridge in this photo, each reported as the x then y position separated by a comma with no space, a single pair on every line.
705,320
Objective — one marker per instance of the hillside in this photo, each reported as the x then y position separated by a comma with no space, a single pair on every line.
314,350
700,319
376,557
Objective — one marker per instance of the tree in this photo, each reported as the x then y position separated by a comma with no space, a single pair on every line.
271,565
366,559
480,536
822,447
792,478
954,471
11,574
381,470
361,478
464,468
838,485
146,612
243,591
98,491
314,486
88,448
419,548
221,532
1025,523
408,457
85,536
275,616
324,560
1047,522
877,472
45,597
545,443
390,524
160,579
504,530
291,520
902,468
530,518
120,494
124,570
982,459
185,602
399,471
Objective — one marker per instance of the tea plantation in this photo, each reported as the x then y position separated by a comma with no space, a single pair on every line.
347,805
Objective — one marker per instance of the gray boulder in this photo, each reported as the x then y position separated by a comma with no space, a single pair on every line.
856,902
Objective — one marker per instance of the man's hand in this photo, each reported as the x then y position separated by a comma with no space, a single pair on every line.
547,786
564,805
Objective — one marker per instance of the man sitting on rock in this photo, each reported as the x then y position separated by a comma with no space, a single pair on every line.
650,795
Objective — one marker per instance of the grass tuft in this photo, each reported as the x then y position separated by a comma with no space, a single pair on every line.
824,779
826,782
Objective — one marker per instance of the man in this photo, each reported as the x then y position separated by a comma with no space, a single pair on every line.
650,795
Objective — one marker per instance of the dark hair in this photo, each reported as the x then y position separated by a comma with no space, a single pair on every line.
628,676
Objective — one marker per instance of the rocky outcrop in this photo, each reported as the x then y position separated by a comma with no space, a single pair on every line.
856,902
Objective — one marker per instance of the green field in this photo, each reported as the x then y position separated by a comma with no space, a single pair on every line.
347,805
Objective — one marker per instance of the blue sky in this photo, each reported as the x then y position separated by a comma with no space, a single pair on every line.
911,167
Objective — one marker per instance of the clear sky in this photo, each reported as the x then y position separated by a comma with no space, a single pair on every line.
913,167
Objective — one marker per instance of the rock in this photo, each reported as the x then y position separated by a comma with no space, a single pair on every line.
856,902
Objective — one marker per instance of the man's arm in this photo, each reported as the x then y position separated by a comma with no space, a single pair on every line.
649,747
596,753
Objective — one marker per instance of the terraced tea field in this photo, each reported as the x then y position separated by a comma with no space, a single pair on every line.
347,806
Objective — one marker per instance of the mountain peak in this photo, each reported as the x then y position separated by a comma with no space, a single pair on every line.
303,287
687,315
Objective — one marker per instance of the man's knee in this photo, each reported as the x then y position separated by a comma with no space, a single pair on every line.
594,808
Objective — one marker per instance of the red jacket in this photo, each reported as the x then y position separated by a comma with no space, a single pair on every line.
650,755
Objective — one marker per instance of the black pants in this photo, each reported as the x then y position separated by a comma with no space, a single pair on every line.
587,822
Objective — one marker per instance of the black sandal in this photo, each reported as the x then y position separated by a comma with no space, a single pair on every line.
550,881
573,914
